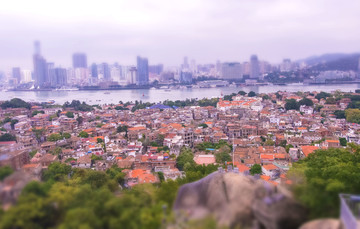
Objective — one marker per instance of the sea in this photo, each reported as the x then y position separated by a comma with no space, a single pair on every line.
158,95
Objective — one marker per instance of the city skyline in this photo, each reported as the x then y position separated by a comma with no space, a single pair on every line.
165,32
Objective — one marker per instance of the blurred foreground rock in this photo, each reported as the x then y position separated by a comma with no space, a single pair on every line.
323,224
237,200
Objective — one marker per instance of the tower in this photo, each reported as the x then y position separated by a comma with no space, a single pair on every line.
142,74
40,67
254,65
79,60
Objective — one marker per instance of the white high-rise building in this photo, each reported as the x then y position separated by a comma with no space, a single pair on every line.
26,76
115,73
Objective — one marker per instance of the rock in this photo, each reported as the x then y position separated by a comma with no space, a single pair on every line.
235,199
323,224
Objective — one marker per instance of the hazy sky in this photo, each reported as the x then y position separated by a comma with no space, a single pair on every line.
166,30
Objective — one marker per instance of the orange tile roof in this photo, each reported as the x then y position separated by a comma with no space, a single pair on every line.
264,177
308,149
267,156
280,155
242,168
333,141
270,167
137,128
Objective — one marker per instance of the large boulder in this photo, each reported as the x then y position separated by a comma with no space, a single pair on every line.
235,199
323,224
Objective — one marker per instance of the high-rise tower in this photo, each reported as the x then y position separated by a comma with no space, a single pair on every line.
40,67
254,67
142,74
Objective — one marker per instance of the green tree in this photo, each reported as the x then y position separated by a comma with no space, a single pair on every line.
186,156
15,103
83,134
99,140
252,94
323,175
306,102
343,141
5,171
269,142
54,137
13,122
322,95
122,128
255,169
339,114
203,125
70,114
242,93
223,157
352,115
36,112
291,104
7,137
330,100
56,171
66,135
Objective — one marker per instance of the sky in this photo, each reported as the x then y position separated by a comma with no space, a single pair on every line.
165,31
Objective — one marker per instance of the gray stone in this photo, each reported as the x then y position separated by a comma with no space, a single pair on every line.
234,199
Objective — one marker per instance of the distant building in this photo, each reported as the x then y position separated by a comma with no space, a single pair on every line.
142,71
255,68
132,75
60,77
185,77
40,67
105,71
16,73
286,65
156,69
94,71
186,63
231,70
193,66
115,73
79,60
51,74
167,76
246,68
26,75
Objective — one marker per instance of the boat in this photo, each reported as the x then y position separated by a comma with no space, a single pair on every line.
107,93
167,90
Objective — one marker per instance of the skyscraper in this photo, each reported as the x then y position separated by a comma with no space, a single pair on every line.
79,60
40,67
105,70
156,69
94,70
186,76
254,72
142,76
16,73
231,70
51,74
186,63
61,77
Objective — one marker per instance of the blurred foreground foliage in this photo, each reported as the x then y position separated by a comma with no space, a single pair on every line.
83,198
323,175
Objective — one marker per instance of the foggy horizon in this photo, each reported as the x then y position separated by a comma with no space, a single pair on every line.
165,32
